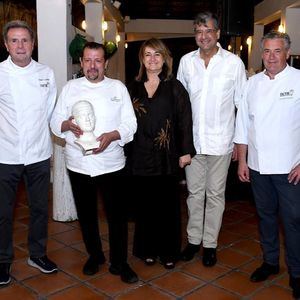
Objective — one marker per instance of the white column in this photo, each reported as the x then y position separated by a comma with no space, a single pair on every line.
93,19
292,17
254,59
116,65
54,30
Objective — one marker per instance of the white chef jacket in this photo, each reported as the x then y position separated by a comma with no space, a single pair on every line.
27,99
113,111
214,92
268,121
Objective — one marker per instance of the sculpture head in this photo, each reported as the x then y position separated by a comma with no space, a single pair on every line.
84,116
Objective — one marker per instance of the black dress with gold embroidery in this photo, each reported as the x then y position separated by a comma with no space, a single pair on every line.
164,131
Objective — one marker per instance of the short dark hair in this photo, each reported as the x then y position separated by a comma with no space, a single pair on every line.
17,24
204,17
273,34
95,46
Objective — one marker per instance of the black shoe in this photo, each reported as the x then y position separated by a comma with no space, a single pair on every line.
295,285
4,273
209,257
91,266
126,273
150,261
169,265
263,272
44,264
189,252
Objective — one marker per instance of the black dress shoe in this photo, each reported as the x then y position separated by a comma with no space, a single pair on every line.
126,273
263,272
209,257
295,285
189,252
91,266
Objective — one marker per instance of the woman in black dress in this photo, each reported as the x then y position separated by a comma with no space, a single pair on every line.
161,146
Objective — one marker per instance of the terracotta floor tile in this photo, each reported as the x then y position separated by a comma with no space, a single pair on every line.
58,227
20,253
66,256
20,237
227,238
232,258
145,292
45,284
251,266
232,216
238,282
53,245
16,292
211,292
273,292
246,206
75,269
177,283
204,273
245,230
21,212
19,226
111,284
69,237
21,270
78,292
147,272
283,280
250,247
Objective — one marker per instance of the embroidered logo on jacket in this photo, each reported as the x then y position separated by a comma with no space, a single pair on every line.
287,95
44,82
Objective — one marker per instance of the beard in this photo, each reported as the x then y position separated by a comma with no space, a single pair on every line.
92,74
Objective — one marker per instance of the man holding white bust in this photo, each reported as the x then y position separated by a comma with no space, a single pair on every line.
114,125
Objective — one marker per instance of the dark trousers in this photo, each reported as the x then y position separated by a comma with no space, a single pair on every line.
275,196
37,178
157,215
85,190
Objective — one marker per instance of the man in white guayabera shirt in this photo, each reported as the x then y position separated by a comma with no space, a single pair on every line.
27,99
268,130
213,78
115,126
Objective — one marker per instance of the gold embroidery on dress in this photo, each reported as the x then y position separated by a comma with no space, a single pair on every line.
138,106
163,139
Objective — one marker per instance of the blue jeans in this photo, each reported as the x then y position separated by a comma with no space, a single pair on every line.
275,197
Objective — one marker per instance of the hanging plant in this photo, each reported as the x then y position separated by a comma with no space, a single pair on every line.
111,48
76,47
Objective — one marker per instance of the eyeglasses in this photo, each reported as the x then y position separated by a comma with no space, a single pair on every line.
209,31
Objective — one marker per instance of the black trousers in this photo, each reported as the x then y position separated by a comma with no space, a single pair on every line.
85,189
158,218
37,178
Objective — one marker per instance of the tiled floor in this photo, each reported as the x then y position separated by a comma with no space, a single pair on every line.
238,255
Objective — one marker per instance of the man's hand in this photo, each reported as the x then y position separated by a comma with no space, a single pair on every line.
234,156
185,160
70,125
105,139
243,172
294,175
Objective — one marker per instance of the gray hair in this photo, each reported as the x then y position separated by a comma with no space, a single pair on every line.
204,17
272,35
17,24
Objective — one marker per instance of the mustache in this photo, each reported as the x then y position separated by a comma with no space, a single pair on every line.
92,70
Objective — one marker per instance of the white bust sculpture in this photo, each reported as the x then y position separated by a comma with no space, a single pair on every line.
84,117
